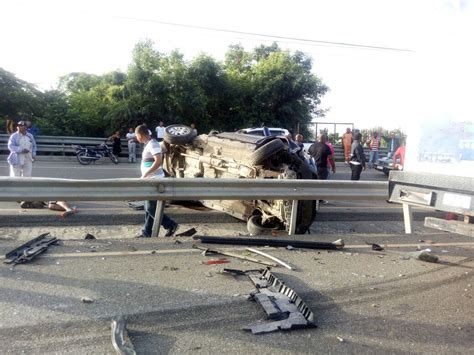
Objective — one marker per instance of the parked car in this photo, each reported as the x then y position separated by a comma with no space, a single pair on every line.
385,164
261,131
237,155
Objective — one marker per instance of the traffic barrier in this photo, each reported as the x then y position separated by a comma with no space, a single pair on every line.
46,189
62,145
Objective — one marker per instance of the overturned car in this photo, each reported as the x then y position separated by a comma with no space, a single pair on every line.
236,155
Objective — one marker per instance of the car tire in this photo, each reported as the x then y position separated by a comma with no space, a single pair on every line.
179,134
265,151
254,226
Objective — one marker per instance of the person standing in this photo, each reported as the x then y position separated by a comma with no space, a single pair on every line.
400,155
331,162
374,145
132,146
193,129
151,168
299,140
160,132
346,143
116,143
321,154
357,157
22,147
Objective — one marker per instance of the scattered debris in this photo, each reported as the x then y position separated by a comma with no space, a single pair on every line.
289,247
282,263
89,236
169,268
208,274
30,250
237,272
281,303
188,233
340,339
375,247
234,255
425,255
216,261
87,300
137,205
338,244
120,339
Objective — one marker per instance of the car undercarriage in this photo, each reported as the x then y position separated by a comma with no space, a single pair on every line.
235,155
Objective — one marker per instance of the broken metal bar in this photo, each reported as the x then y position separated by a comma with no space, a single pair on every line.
29,250
281,304
234,255
338,244
120,339
278,261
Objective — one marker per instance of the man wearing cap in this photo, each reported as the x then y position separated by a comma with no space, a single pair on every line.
22,146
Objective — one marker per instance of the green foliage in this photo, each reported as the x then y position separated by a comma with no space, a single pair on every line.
267,86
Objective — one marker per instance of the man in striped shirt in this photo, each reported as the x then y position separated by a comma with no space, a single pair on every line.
374,149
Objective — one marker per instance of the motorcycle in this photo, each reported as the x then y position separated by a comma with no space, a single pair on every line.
86,155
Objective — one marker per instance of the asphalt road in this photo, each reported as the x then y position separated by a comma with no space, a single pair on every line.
105,169
363,301
374,302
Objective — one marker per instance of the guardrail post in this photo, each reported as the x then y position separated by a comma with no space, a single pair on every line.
294,210
160,207
407,218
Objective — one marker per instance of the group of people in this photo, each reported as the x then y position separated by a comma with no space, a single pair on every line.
132,140
22,147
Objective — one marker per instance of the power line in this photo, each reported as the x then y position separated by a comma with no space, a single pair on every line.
342,44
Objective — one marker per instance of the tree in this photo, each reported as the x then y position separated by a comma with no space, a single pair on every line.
19,99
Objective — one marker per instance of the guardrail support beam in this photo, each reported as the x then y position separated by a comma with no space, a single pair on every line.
160,207
408,218
294,210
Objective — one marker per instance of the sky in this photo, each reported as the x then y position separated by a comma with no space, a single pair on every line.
430,71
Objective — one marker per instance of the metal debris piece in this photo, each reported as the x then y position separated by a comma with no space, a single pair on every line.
338,244
237,272
187,233
235,255
278,261
281,303
30,250
87,300
120,339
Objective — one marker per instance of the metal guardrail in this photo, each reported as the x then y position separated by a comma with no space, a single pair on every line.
63,145
43,189
47,189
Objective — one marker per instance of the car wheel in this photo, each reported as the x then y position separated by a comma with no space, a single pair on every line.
255,227
179,134
265,151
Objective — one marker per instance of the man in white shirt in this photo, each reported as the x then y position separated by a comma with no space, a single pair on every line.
160,132
151,168
22,146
